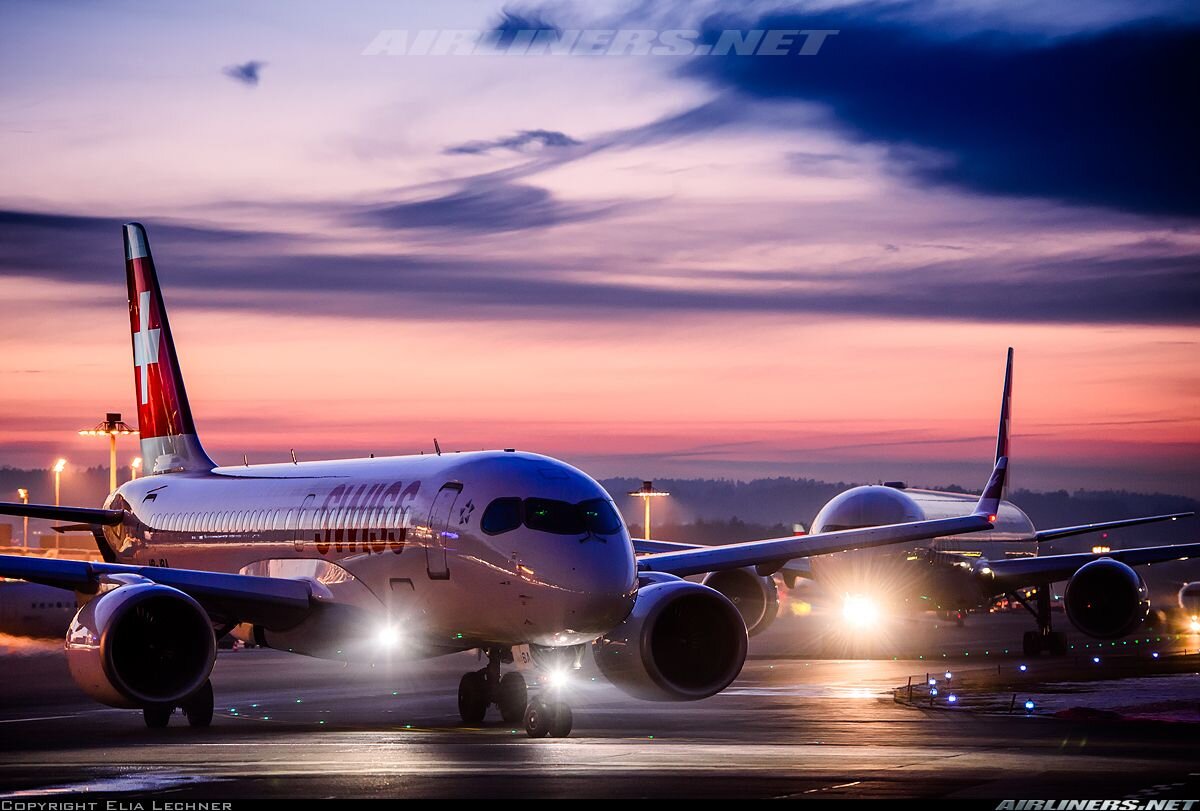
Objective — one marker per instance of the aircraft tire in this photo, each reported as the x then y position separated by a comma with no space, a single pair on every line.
513,697
1057,643
561,720
199,707
538,719
157,716
472,697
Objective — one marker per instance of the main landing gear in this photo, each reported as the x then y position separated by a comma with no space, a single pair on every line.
480,689
197,708
1045,638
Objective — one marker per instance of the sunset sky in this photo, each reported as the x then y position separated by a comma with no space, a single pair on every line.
646,265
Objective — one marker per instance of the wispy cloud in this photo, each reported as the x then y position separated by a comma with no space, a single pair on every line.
1134,284
523,141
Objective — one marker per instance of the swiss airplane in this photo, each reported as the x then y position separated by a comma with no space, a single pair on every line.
1104,597
408,556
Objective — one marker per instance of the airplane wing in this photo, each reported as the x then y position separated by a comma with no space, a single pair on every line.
646,546
275,603
1082,529
1016,573
776,551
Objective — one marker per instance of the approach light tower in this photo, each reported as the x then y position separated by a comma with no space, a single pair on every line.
112,427
645,493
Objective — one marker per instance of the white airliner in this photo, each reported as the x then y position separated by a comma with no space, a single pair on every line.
412,555
1104,597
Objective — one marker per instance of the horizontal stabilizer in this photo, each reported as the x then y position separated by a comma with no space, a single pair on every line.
71,515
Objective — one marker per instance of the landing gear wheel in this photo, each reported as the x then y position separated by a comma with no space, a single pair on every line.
199,706
1031,643
514,697
538,719
473,698
157,716
1056,643
561,720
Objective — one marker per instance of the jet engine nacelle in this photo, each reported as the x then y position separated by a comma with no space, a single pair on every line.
1106,599
140,645
753,595
681,642
1189,598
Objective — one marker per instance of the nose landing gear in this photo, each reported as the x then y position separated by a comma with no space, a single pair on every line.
480,689
551,718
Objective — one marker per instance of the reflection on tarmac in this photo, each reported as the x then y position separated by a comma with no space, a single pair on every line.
789,726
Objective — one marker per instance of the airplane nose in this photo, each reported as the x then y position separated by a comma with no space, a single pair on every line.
599,586
600,612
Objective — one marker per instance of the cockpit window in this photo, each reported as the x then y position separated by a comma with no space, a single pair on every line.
559,517
597,515
501,515
600,517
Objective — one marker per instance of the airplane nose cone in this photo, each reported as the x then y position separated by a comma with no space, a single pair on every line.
595,591
599,612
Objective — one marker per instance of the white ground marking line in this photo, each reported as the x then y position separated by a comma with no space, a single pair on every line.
57,717
126,782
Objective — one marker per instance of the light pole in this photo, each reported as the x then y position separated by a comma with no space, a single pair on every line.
134,467
112,427
23,494
645,493
58,469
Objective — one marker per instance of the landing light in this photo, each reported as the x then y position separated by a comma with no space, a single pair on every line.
558,678
859,611
1195,625
387,637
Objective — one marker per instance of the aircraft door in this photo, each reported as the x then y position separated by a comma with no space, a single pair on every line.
304,517
440,532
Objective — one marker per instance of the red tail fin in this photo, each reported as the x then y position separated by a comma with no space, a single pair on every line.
169,441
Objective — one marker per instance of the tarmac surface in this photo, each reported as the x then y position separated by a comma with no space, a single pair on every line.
792,725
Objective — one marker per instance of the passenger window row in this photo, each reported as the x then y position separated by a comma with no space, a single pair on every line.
243,521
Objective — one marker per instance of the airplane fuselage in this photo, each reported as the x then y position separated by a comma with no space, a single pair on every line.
932,574
399,545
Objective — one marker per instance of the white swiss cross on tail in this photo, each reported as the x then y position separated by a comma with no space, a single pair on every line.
169,441
145,344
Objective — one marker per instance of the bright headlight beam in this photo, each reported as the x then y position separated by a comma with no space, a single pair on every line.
387,637
558,678
860,611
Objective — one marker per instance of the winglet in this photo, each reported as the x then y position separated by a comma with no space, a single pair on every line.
989,502
1002,431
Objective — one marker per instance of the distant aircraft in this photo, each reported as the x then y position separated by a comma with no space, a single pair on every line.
1104,597
518,555
34,610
